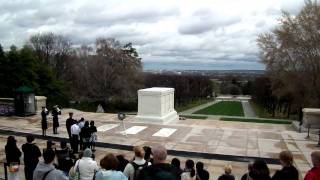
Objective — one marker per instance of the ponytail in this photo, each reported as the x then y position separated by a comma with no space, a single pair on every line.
192,172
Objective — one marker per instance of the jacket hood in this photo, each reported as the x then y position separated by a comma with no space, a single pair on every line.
42,168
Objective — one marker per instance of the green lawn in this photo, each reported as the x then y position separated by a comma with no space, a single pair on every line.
194,117
225,108
193,104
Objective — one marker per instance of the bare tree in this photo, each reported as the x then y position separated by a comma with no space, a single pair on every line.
291,53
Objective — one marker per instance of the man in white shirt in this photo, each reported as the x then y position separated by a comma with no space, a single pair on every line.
75,131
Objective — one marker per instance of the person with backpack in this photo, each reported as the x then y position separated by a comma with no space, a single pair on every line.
46,170
132,170
31,154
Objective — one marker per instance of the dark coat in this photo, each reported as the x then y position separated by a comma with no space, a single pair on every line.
31,154
55,117
203,174
226,177
44,123
93,129
160,171
289,173
69,123
13,154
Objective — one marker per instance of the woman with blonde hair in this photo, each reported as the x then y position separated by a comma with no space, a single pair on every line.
227,173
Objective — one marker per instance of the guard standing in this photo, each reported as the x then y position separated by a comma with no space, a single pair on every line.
44,123
55,112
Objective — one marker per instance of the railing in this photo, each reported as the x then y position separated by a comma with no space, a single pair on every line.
5,166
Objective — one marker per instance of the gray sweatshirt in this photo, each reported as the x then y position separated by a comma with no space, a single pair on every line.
54,174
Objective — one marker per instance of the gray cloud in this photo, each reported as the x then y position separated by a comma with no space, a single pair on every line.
167,31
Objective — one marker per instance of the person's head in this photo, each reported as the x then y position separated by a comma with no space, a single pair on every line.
286,158
11,141
50,144
63,144
199,166
48,156
81,120
109,162
159,154
121,158
87,153
315,157
43,108
30,138
70,114
138,152
260,169
190,166
91,123
228,169
147,151
175,162
250,166
86,124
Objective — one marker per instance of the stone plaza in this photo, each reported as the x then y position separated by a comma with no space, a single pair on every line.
208,138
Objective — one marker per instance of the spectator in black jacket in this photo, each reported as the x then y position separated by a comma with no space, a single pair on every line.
69,122
65,157
13,155
175,162
160,169
31,157
202,174
122,162
260,170
288,171
93,140
86,135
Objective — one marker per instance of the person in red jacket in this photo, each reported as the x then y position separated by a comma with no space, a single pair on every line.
314,173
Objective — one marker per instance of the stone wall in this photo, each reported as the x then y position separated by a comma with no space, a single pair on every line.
40,101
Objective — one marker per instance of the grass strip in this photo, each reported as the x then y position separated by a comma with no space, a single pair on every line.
267,121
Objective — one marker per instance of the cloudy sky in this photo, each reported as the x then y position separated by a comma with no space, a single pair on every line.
173,34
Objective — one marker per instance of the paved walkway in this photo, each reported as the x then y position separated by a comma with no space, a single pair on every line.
197,108
247,109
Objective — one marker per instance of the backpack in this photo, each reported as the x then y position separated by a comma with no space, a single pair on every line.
137,168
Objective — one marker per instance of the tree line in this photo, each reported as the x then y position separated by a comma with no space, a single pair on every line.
108,73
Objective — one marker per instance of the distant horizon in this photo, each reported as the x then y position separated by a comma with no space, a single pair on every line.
185,66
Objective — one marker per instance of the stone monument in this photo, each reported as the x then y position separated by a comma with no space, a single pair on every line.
311,118
156,105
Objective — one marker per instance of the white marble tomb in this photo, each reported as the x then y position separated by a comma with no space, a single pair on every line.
156,105
311,118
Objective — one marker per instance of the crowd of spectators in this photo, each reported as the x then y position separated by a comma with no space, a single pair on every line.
62,163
